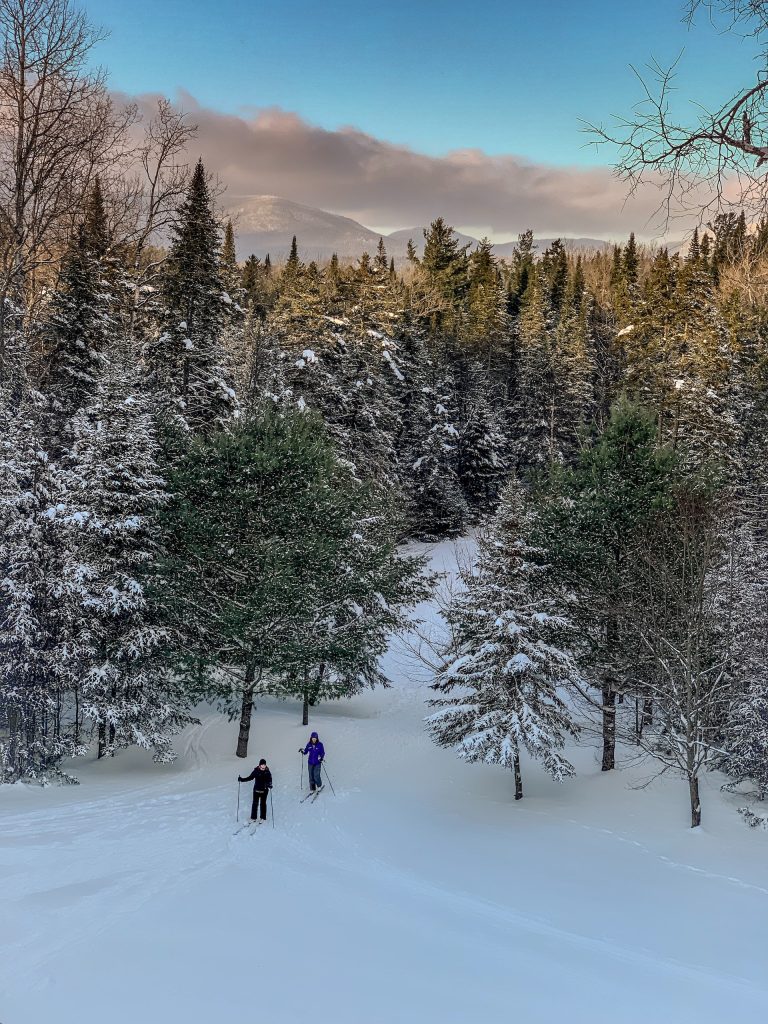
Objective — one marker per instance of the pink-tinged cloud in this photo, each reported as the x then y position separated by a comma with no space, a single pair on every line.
346,171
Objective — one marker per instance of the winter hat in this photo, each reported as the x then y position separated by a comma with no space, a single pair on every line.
314,736
263,761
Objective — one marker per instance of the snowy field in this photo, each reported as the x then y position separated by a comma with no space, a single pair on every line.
419,893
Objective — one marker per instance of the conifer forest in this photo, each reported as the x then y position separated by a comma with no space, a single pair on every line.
228,484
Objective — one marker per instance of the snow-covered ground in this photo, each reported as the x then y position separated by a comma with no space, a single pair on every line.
421,892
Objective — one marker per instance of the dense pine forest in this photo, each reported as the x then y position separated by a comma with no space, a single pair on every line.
209,469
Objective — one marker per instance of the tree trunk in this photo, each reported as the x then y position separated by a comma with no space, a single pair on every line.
518,777
305,708
102,742
14,737
112,727
2,335
647,712
57,719
77,715
693,788
247,708
609,728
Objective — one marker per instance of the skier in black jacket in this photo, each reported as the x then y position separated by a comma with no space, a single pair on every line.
262,783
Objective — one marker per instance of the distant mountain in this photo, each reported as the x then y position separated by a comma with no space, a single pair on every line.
266,224
504,250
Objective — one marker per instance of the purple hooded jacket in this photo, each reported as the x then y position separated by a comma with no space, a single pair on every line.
316,751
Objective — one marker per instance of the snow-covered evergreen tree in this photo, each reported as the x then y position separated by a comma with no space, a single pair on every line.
77,325
483,463
187,356
747,740
37,654
280,563
488,322
108,514
508,658
438,507
533,412
743,612
231,276
575,367
358,600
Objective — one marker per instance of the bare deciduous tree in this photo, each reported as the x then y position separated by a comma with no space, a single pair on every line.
718,158
58,127
154,185
697,633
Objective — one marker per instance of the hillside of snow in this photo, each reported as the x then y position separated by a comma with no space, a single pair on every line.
420,892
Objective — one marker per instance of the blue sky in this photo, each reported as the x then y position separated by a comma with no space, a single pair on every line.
503,76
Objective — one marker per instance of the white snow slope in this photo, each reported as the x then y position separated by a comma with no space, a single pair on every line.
421,892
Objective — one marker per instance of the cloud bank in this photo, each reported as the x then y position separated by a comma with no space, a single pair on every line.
346,171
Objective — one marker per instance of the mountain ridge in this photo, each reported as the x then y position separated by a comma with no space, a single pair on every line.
267,223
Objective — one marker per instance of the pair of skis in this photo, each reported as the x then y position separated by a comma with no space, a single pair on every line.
312,795
251,825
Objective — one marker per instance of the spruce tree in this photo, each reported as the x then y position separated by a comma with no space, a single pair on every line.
77,327
438,506
442,282
508,657
520,273
231,275
554,268
37,631
487,319
95,222
274,566
187,357
534,414
112,496
575,364
37,648
482,463
594,522
630,264
293,263
380,262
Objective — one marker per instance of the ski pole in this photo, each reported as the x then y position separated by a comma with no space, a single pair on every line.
328,777
237,817
302,771
272,806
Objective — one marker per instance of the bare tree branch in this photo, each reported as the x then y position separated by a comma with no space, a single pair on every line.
713,160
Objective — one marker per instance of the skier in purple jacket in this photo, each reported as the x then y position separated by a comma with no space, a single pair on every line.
316,752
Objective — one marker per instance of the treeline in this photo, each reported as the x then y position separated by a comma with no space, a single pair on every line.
444,379
207,466
620,590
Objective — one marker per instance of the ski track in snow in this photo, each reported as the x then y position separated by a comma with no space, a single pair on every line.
419,893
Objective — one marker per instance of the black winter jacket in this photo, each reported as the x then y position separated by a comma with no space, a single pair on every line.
262,780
